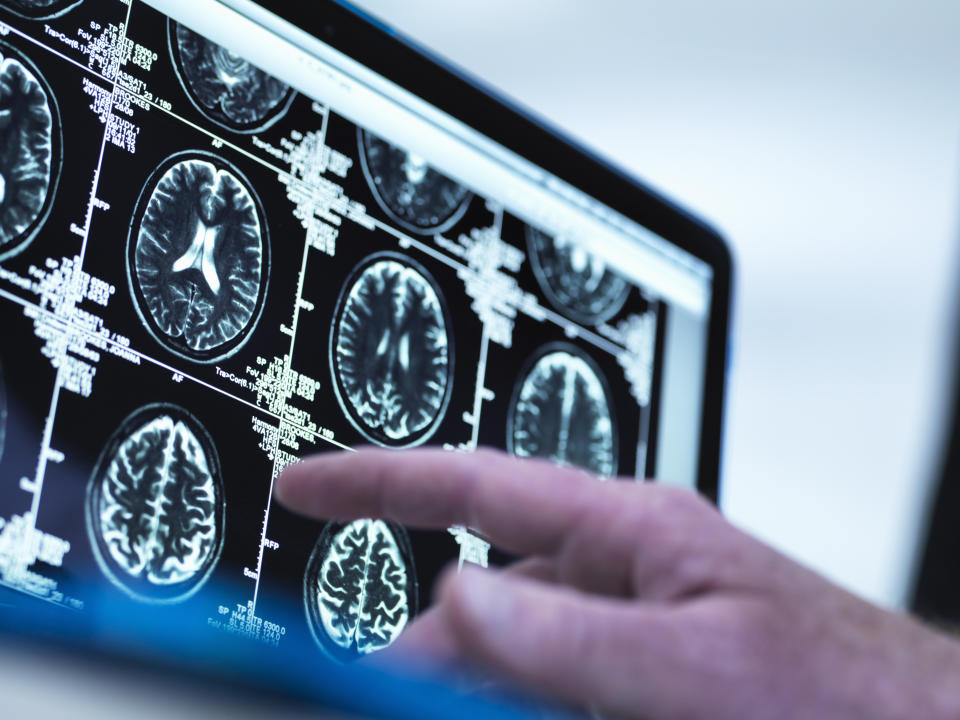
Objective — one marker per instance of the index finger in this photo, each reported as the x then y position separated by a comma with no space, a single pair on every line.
523,505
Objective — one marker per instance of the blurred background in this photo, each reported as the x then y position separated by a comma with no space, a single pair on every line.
822,138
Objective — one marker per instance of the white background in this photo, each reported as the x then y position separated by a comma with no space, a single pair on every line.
821,136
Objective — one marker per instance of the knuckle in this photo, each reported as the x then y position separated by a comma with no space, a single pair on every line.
675,515
677,542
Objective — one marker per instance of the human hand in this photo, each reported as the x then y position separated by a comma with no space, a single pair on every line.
640,599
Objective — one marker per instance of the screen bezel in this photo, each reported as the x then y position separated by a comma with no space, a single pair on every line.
403,62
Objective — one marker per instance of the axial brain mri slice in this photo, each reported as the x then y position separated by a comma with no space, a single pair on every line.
360,587
225,87
410,191
576,282
561,410
40,9
390,352
29,151
155,506
198,257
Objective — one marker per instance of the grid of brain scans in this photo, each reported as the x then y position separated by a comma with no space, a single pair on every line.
207,274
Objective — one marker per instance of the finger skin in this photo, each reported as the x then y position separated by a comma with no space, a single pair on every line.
551,638
524,506
616,538
706,622
724,656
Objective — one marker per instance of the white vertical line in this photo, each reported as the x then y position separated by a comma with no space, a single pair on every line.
293,337
74,280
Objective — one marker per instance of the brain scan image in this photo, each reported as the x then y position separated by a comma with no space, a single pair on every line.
40,9
411,192
29,151
155,506
198,257
561,410
577,283
360,587
225,87
390,352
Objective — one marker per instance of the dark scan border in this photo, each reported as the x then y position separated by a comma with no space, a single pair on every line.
133,422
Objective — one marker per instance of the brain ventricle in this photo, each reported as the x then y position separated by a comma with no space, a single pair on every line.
392,355
199,257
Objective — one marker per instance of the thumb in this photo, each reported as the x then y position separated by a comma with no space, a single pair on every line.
548,638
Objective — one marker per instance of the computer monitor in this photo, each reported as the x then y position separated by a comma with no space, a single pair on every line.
235,233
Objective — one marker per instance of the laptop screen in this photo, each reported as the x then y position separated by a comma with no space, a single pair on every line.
224,245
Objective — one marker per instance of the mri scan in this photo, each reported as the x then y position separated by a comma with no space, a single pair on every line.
155,506
225,87
577,283
561,410
198,257
410,191
40,9
390,351
29,151
360,587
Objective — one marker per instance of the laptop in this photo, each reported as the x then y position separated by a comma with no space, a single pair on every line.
235,233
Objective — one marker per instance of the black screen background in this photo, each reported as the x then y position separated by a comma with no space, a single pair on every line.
82,426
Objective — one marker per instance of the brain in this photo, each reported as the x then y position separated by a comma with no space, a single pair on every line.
198,257
360,587
155,507
40,9
411,192
390,351
29,151
225,87
576,282
561,411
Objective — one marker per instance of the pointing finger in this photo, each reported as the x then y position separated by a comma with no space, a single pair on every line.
524,506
